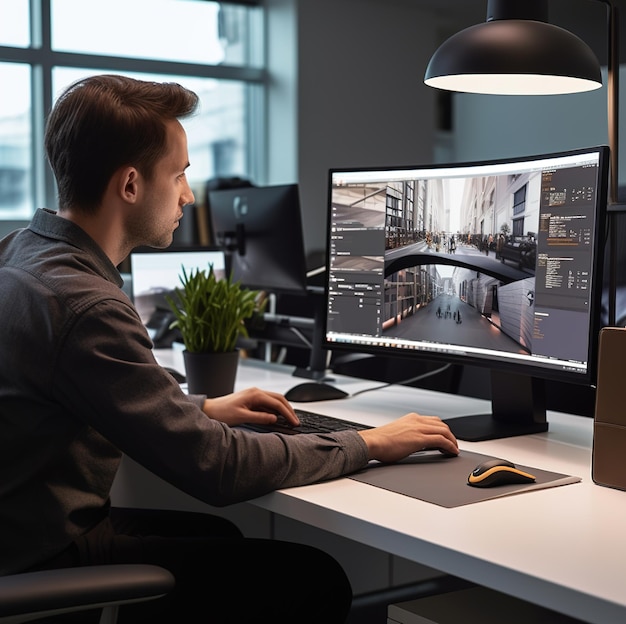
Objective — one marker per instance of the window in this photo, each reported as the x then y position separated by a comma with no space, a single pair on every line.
519,200
213,48
15,141
15,24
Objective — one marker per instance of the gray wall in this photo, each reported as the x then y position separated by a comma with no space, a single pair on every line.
501,126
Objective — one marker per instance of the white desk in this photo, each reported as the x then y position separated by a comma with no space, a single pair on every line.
563,548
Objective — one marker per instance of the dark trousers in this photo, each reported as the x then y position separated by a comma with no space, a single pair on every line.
221,576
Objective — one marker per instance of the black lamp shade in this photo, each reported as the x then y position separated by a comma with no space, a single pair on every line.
514,57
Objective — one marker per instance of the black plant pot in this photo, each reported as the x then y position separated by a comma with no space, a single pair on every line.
212,374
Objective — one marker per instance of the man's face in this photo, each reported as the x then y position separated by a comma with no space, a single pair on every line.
163,196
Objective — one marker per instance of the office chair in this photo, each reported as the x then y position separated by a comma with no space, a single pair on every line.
33,595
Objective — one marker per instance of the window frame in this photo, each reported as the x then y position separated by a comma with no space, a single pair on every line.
42,59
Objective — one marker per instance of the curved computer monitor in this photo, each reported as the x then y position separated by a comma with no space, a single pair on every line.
260,227
496,264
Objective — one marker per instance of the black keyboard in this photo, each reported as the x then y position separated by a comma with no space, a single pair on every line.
310,422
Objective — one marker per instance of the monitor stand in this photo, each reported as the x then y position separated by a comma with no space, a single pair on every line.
317,370
518,408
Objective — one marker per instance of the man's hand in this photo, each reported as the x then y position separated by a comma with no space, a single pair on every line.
388,443
250,406
409,434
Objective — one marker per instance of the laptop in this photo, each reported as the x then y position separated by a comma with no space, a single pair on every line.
156,273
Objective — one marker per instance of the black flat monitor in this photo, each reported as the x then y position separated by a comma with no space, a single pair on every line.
260,228
496,264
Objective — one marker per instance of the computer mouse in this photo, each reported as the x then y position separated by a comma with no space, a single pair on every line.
314,391
493,472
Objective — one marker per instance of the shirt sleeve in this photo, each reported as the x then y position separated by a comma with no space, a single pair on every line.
108,377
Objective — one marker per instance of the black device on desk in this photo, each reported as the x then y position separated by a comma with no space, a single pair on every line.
495,264
314,391
310,422
495,472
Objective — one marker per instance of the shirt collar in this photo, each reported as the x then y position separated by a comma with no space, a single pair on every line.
47,223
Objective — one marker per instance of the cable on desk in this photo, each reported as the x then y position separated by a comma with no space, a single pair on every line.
405,381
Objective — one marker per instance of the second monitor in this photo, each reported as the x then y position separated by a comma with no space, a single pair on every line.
260,227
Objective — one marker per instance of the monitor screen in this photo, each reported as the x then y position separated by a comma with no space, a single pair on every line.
493,263
260,228
157,272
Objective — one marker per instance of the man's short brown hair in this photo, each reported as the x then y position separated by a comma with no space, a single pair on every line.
105,122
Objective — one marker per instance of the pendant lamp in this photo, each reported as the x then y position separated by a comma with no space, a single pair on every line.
515,52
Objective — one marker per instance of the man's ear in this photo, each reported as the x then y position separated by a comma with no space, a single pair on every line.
128,180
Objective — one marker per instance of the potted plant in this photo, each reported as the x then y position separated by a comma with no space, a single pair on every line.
210,313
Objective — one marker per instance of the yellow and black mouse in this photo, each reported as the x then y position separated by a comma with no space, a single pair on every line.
493,472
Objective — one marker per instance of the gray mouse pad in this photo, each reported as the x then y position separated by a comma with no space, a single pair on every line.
441,480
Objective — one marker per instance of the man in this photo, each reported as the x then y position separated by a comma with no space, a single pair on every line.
79,386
